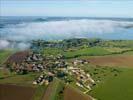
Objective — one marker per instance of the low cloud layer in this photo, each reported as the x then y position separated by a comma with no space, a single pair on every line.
5,44
58,30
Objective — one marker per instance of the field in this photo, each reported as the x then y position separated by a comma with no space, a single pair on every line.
115,88
18,57
54,90
71,93
113,77
122,61
110,66
4,73
39,93
13,92
4,54
87,51
25,80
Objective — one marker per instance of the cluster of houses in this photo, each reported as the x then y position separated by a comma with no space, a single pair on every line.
30,63
51,66
83,79
57,69
77,62
44,78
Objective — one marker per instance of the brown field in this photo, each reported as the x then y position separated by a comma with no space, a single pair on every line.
18,57
13,92
123,61
71,93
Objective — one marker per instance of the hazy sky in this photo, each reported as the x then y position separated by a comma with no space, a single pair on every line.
88,8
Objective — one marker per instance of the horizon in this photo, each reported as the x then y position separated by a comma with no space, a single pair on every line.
73,17
73,8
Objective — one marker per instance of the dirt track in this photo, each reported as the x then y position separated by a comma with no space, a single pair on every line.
120,61
13,92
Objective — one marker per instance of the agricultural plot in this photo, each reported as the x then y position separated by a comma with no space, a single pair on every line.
71,93
118,87
18,57
13,92
4,73
4,54
87,51
122,61
24,80
54,91
112,83
95,51
40,90
110,67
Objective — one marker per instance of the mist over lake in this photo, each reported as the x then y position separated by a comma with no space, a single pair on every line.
24,29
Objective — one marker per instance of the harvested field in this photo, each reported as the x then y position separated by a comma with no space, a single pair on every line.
13,92
18,57
71,93
123,61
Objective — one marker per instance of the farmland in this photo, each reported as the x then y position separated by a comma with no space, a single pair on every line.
107,63
13,92
115,88
4,54
17,79
18,57
54,90
123,61
71,93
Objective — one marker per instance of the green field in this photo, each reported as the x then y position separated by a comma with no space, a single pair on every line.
4,54
13,78
77,52
87,51
52,51
115,88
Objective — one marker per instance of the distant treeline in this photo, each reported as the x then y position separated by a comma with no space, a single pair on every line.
77,42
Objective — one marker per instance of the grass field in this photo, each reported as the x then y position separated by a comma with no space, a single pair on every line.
52,51
25,80
115,88
88,51
4,54
5,73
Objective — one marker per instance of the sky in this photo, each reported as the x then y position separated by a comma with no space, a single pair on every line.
73,8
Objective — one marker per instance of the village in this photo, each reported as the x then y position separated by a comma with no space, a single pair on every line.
50,67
